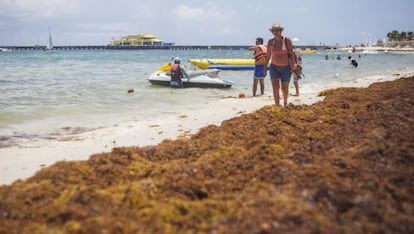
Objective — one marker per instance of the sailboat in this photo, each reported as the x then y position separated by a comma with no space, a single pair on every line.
369,49
49,46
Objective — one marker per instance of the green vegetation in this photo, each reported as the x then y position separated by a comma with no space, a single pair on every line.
400,36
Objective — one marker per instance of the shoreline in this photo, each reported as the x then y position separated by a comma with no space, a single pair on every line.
21,163
383,49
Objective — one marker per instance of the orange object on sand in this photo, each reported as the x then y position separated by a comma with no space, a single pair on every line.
130,90
242,95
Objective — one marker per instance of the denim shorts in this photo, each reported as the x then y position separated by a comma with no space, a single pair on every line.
282,73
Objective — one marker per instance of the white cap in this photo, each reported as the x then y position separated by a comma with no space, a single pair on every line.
177,60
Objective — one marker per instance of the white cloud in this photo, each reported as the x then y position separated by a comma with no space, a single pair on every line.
188,13
184,12
206,21
185,21
105,27
36,8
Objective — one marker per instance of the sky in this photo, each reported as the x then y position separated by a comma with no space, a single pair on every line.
208,22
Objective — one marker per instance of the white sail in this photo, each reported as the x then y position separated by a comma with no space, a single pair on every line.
49,45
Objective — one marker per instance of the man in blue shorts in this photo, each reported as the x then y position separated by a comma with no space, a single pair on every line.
260,52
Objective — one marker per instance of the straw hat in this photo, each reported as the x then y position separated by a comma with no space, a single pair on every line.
276,26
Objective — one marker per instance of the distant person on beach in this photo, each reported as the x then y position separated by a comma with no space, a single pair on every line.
280,53
338,57
352,62
177,72
297,75
260,52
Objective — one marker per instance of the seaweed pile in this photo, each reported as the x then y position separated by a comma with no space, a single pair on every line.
343,165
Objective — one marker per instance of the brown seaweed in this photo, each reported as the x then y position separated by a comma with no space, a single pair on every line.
343,165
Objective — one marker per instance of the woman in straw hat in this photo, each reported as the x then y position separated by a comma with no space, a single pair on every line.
280,51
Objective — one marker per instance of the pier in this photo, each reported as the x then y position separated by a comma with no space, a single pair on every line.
148,47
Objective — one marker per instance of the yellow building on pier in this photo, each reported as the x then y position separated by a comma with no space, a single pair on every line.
139,40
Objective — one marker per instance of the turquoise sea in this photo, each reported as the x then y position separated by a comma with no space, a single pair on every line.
50,95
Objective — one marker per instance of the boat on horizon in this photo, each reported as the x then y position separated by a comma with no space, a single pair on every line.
49,46
369,50
196,78
5,50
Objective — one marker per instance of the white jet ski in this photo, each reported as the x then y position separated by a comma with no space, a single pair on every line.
196,78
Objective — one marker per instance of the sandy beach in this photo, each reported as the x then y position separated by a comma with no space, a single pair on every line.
342,165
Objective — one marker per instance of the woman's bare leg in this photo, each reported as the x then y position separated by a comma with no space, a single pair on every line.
276,87
285,92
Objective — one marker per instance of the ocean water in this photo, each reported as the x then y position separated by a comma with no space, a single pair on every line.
47,96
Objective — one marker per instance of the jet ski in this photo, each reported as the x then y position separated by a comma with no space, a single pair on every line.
196,78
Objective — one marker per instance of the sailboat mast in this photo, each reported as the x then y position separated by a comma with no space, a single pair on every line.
50,43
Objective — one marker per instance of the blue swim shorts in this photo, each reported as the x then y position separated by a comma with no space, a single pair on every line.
282,73
259,71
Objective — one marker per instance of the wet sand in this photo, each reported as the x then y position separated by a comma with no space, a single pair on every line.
342,165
